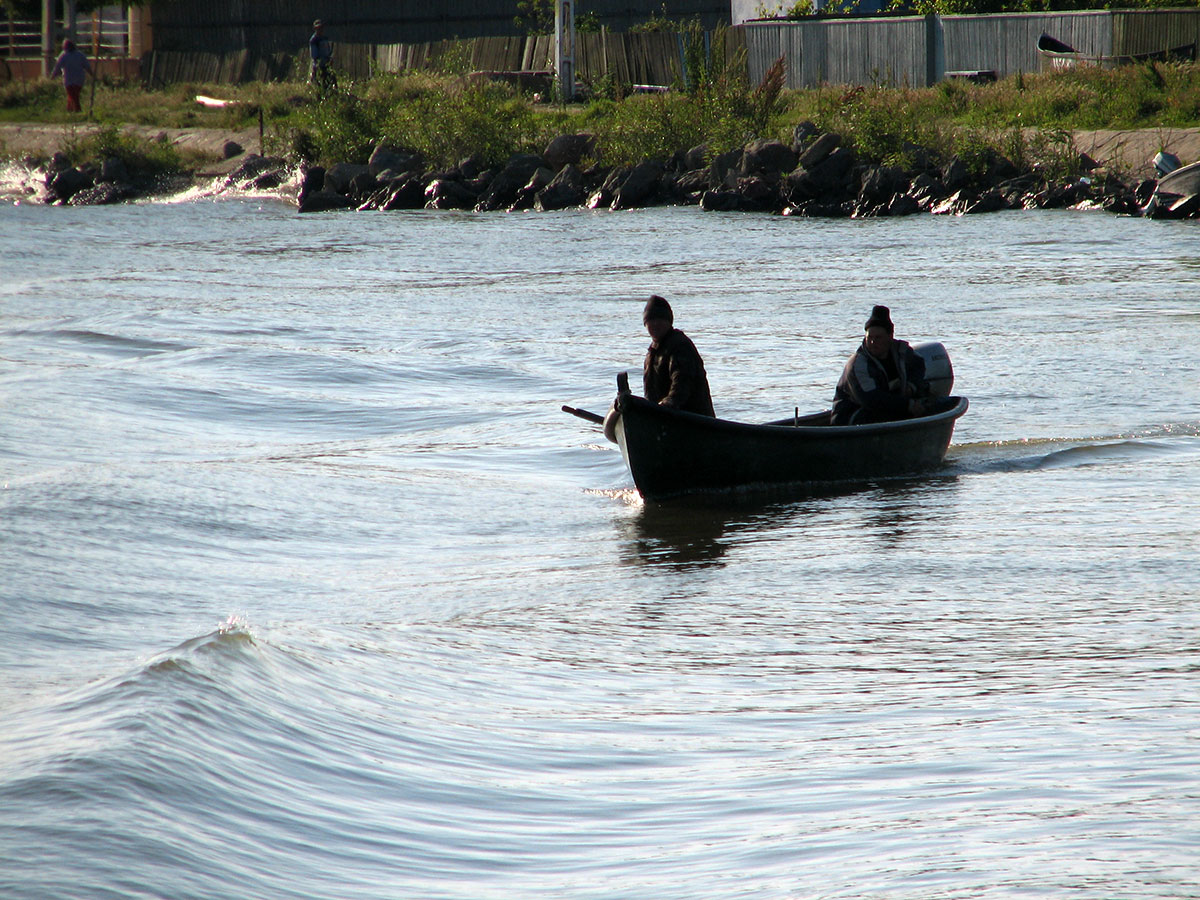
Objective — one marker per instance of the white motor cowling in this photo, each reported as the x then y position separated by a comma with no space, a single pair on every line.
938,371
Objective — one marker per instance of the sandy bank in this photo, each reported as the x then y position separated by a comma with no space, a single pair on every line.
206,144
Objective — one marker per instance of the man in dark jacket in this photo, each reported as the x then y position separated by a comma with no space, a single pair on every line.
673,374
884,380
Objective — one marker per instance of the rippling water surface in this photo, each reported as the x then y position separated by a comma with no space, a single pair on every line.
310,590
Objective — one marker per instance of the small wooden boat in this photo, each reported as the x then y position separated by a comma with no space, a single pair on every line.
672,454
1055,54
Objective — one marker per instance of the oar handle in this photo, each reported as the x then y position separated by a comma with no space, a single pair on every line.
584,414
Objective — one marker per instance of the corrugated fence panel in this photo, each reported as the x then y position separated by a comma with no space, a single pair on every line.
840,51
1155,31
1007,44
893,50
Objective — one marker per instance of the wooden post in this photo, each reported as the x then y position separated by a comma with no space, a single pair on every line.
935,50
47,37
139,31
564,48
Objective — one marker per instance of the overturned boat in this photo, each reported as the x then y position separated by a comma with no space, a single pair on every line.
1057,55
673,454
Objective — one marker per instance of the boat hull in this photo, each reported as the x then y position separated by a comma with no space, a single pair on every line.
671,453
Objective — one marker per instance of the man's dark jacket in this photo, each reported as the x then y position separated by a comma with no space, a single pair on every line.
674,375
874,391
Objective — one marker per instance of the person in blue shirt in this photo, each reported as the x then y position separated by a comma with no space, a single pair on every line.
75,68
320,50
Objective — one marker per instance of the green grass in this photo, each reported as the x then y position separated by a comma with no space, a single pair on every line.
448,117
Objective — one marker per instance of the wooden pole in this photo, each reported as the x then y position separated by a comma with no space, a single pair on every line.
47,37
564,48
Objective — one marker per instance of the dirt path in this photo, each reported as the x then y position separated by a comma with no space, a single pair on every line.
1130,152
21,139
1133,151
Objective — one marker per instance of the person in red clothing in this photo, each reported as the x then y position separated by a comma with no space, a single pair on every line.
673,374
74,68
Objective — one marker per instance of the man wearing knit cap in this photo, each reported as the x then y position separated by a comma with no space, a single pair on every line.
673,374
884,380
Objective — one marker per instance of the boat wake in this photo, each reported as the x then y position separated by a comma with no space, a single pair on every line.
1062,453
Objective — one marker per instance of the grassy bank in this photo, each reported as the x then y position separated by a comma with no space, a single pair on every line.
449,117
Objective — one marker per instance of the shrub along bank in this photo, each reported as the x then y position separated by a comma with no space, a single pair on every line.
952,147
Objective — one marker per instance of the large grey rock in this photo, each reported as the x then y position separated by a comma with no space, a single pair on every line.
362,186
565,190
324,201
696,158
902,205
956,175
114,170
263,171
63,184
723,169
723,200
819,149
569,150
833,168
603,196
638,187
102,193
339,176
882,183
385,157
444,193
527,197
690,182
507,184
405,192
765,157
758,195
803,135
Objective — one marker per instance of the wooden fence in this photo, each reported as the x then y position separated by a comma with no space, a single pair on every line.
274,26
654,58
889,50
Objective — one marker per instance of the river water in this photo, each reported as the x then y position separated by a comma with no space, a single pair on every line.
310,590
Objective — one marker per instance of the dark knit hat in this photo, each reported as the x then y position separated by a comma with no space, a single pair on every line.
657,308
881,316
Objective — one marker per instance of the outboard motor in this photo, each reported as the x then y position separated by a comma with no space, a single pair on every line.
1166,163
938,371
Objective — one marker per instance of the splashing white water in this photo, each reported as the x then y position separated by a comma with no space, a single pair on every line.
222,187
21,182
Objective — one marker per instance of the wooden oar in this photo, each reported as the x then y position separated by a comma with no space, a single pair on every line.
584,414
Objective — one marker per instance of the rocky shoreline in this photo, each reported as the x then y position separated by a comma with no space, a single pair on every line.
816,175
